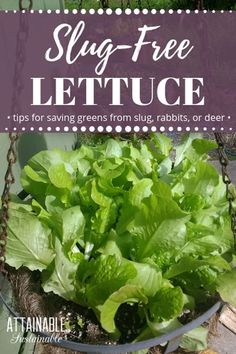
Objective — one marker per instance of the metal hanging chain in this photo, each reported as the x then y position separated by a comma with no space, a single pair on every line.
230,195
9,180
224,162
11,154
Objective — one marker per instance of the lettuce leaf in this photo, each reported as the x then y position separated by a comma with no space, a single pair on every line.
29,242
226,287
128,293
59,277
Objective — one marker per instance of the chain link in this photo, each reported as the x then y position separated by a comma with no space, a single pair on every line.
11,154
104,4
200,5
29,7
230,194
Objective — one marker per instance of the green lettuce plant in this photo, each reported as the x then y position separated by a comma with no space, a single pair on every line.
124,222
